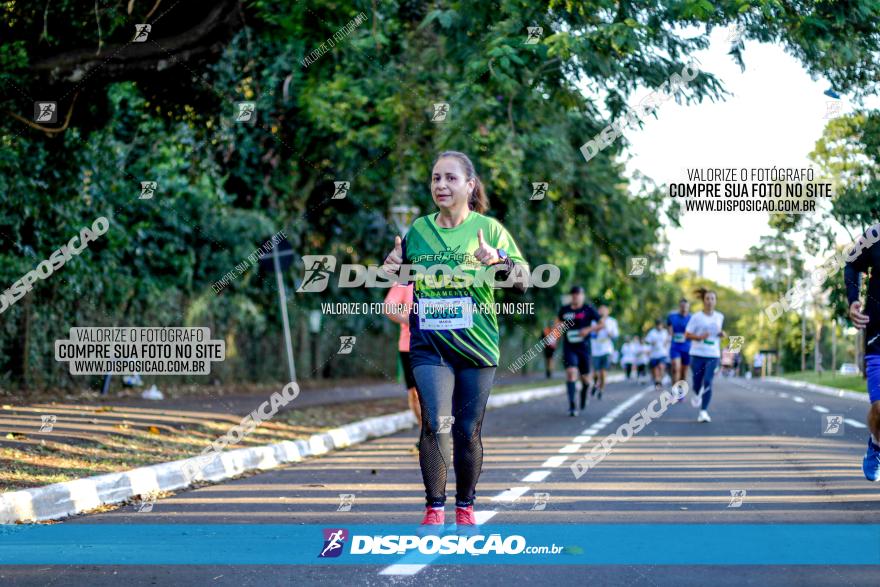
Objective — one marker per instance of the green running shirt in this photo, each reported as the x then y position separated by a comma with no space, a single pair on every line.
458,323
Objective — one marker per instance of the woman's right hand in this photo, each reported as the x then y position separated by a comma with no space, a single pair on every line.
394,258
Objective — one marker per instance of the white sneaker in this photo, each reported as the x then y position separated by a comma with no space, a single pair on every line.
704,416
696,401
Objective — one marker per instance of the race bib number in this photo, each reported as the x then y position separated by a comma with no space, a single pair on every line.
574,336
678,337
445,313
710,342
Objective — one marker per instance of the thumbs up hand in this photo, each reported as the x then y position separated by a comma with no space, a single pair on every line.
485,254
394,258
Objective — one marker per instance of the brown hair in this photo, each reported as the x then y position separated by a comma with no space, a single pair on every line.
702,292
478,202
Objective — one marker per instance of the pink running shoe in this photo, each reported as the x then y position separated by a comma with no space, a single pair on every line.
434,517
465,516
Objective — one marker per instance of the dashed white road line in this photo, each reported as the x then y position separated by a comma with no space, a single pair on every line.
783,394
854,423
798,399
554,461
512,494
536,476
820,409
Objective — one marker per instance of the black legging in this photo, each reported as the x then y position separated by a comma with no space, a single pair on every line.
462,394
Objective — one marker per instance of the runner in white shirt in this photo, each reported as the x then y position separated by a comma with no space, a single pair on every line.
705,330
628,356
658,339
603,345
642,351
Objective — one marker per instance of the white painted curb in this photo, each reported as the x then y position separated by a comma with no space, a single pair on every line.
823,389
73,497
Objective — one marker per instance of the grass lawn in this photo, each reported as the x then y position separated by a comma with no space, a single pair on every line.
93,440
847,382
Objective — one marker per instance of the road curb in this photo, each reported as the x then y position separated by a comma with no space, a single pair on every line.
68,498
823,389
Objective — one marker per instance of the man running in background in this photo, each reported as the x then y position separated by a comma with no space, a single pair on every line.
602,345
680,349
576,345
866,256
402,296
657,338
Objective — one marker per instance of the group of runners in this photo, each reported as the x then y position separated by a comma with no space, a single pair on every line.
450,352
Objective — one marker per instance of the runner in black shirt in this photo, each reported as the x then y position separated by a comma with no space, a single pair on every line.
863,257
576,344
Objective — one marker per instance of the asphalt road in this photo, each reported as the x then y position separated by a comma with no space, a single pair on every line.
764,438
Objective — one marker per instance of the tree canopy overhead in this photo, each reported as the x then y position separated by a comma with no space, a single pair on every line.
163,109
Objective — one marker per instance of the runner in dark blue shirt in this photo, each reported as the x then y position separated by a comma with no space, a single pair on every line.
863,257
680,349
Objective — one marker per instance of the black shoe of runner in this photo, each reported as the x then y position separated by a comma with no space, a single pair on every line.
572,413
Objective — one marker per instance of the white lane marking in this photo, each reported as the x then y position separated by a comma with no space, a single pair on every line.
569,449
510,495
403,568
582,439
855,423
783,394
592,431
536,476
798,399
554,461
606,420
820,409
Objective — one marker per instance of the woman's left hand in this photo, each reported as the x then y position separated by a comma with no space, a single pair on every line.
485,254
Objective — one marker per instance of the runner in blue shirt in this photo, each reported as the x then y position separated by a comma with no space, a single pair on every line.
680,350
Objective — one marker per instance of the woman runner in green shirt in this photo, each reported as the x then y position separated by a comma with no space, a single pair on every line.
453,326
